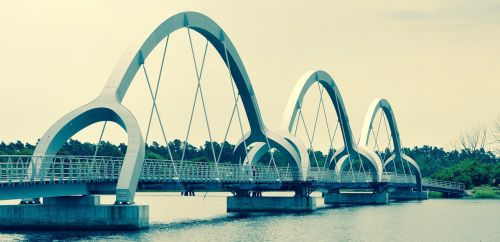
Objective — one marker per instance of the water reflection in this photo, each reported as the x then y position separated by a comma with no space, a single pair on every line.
203,218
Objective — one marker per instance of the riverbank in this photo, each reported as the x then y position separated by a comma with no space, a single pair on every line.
479,192
485,192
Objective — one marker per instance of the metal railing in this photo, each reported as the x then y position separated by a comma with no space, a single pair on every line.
399,178
443,184
62,169
31,169
165,170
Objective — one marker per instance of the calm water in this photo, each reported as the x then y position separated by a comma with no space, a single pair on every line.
203,218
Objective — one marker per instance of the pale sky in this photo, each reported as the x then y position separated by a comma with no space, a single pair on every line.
437,62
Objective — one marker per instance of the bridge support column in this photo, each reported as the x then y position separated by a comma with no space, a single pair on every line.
408,194
355,198
243,203
74,212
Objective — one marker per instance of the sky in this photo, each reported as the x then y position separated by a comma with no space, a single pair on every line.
437,62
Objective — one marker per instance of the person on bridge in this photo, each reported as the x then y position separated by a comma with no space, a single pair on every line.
254,172
246,170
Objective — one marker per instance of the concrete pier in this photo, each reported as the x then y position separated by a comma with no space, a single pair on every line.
355,198
75,212
408,195
271,204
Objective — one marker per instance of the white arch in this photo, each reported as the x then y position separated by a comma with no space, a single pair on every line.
290,114
375,106
118,83
260,147
328,83
385,106
298,94
413,164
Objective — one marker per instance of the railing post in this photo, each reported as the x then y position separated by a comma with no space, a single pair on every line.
52,168
10,170
33,170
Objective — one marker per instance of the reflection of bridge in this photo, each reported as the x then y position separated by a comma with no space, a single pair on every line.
360,172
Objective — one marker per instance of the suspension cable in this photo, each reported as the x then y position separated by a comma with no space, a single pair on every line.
331,145
375,138
98,144
272,158
378,131
154,107
388,145
345,143
402,152
314,129
227,132
331,139
236,99
308,136
198,77
100,139
407,162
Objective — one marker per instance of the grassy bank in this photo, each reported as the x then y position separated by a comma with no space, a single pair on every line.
478,192
485,192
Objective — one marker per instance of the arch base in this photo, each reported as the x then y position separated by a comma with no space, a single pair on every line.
356,198
408,194
101,109
245,204
74,212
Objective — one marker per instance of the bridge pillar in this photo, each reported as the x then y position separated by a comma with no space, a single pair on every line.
355,198
74,212
408,194
242,202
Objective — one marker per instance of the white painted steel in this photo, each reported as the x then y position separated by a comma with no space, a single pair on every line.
86,169
385,106
107,106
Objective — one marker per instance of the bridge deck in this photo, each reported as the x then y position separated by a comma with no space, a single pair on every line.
73,175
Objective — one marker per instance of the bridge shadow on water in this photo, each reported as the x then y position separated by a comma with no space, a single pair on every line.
155,227
160,228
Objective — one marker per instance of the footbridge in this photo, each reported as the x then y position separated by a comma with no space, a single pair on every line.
80,175
366,171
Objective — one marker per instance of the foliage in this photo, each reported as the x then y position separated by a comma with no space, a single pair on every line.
470,172
471,167
486,192
434,159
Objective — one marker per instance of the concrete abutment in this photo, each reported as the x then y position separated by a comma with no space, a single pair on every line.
74,212
404,195
355,198
271,204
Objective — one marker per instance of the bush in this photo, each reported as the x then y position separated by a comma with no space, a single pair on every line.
470,172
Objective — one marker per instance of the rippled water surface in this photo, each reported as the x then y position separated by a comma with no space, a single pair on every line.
203,218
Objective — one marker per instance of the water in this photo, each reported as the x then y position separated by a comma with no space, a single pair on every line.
175,218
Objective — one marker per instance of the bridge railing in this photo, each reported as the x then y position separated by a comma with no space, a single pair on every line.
399,178
165,170
23,169
443,184
327,175
26,169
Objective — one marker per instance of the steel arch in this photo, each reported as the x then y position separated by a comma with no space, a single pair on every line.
385,106
290,114
118,83
297,96
328,83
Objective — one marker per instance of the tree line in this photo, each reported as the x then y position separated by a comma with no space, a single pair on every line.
471,166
